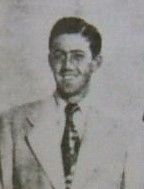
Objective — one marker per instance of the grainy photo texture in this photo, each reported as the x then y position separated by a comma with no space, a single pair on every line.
73,121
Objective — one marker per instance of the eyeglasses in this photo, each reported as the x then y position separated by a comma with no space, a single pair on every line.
75,56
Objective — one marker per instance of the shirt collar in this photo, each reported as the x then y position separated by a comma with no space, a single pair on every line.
81,120
84,104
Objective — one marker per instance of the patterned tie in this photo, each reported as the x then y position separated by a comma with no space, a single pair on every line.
70,145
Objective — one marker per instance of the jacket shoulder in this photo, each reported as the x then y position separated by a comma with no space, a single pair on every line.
20,110
16,117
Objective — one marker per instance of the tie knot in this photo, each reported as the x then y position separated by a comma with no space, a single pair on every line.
71,108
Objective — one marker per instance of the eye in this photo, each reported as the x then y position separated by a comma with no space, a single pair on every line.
78,56
59,55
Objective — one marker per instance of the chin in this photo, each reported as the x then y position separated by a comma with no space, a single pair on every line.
68,90
71,89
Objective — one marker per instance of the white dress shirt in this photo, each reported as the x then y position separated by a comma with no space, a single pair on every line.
80,117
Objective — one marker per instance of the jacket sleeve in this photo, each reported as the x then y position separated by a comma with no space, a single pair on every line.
6,152
134,170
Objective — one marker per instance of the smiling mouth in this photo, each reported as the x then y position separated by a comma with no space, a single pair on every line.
68,75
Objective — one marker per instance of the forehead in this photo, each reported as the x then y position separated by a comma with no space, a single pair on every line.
71,42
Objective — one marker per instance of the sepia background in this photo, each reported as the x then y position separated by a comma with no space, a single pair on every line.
24,72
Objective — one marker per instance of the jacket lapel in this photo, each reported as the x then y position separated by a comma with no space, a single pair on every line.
44,139
89,159
84,165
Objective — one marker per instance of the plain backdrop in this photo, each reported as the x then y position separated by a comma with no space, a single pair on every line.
24,72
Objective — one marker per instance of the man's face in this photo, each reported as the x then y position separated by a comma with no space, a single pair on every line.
71,62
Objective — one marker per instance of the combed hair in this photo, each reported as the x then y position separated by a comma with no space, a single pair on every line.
70,25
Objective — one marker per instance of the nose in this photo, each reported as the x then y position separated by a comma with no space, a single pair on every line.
68,62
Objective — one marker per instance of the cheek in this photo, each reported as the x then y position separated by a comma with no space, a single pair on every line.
57,68
84,68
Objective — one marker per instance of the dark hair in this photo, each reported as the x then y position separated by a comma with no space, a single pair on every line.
68,25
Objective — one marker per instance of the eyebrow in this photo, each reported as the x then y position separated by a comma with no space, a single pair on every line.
77,51
72,51
59,50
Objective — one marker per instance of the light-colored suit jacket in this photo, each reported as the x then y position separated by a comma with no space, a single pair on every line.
30,155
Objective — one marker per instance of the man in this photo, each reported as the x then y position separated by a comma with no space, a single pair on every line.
64,142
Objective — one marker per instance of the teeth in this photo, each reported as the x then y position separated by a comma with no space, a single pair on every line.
68,76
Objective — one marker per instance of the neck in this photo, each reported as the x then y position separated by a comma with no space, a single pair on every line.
74,98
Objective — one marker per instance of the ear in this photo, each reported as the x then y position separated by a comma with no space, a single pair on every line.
96,63
50,60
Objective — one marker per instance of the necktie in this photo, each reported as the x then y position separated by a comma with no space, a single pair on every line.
70,145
